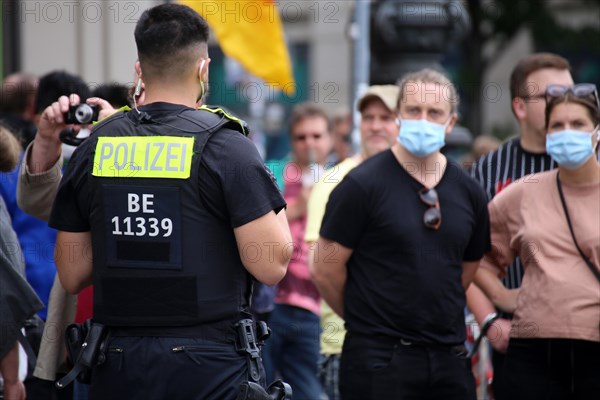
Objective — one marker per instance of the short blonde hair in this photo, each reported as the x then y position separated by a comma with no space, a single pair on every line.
429,75
10,150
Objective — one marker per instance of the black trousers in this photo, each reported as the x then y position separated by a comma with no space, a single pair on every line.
144,368
41,389
498,381
552,369
378,368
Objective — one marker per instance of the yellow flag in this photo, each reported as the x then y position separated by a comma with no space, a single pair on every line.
251,32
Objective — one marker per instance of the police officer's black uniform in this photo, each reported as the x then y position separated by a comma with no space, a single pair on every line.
161,190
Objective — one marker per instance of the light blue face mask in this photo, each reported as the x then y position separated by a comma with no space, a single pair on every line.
570,148
421,137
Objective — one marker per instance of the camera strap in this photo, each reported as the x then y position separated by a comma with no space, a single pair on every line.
69,136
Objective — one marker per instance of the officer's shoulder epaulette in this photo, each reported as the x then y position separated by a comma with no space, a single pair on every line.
234,122
119,112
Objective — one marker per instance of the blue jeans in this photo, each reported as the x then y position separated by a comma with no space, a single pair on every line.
80,390
329,372
292,351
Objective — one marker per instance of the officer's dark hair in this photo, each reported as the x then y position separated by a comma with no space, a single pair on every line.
115,93
165,36
308,110
59,83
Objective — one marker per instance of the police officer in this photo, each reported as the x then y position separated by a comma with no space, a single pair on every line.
170,212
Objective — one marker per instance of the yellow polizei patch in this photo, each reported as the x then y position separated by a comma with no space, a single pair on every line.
143,157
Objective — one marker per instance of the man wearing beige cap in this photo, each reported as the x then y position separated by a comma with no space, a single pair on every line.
378,131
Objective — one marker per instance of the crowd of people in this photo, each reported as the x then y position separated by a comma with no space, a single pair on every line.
161,232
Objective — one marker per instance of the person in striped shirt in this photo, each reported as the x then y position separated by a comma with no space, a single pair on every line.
514,160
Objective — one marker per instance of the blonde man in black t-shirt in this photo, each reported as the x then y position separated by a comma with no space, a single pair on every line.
400,242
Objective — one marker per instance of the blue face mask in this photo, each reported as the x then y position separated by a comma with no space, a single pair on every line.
569,148
421,137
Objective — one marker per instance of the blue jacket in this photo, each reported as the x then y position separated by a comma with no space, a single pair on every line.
36,239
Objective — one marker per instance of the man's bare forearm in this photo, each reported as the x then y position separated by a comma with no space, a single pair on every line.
329,272
501,297
333,294
479,304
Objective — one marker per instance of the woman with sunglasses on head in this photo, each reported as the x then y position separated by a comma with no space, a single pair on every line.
554,343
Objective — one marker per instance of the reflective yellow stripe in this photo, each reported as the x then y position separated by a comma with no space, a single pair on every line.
144,157
122,109
228,116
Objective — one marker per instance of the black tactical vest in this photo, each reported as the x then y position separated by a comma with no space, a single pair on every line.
160,258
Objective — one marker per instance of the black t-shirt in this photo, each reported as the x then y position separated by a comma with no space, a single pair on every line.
404,279
164,249
234,184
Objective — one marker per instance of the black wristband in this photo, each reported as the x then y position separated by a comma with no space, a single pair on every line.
487,323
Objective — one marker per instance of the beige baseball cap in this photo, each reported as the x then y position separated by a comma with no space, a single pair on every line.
386,93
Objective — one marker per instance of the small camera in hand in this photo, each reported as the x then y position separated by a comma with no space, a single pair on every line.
82,114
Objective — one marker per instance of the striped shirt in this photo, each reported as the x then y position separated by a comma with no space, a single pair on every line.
500,168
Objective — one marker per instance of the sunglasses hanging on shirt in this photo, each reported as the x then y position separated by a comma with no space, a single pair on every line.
433,215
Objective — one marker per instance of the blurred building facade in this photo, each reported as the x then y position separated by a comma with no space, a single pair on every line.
94,38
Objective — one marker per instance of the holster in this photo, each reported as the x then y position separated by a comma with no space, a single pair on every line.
249,343
75,335
86,346
278,390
